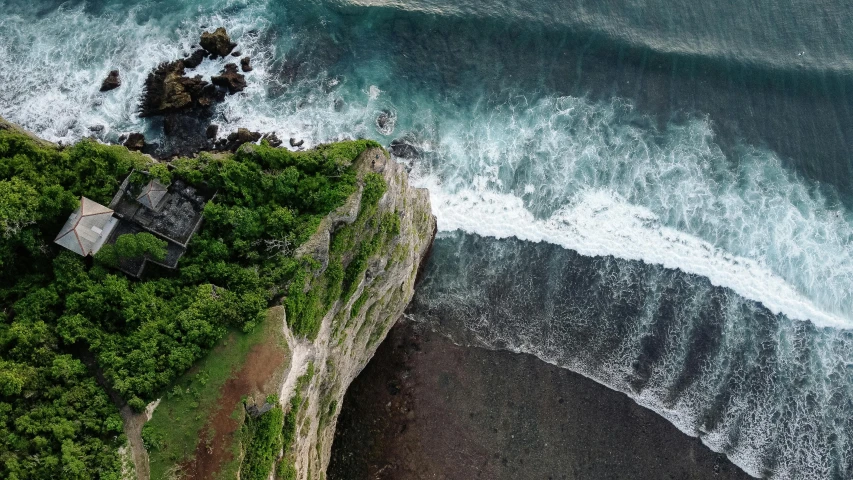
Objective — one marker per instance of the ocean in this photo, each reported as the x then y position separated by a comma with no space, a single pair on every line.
655,194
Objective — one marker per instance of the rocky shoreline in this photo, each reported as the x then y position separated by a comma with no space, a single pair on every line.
182,104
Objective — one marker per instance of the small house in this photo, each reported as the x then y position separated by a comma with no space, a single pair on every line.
87,228
172,213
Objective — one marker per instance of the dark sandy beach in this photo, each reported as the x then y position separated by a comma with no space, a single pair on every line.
426,408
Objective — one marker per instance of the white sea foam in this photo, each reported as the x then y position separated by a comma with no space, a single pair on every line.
595,178
51,67
601,223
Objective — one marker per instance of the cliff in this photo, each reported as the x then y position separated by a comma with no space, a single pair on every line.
236,389
390,253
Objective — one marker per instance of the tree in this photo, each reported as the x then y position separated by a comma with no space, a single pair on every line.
19,203
133,246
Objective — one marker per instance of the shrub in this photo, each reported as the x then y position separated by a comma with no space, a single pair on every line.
264,443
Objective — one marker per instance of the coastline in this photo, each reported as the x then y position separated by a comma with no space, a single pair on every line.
426,408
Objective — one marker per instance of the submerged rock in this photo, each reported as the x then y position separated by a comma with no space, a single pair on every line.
112,81
217,43
230,79
403,148
385,122
185,133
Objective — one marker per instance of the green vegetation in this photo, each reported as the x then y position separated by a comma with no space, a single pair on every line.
62,317
133,246
186,406
265,442
344,239
285,470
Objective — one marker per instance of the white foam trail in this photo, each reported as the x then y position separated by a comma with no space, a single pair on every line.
601,223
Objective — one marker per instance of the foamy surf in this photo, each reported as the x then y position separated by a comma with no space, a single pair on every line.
601,223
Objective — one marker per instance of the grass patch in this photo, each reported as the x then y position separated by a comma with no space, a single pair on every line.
265,441
173,433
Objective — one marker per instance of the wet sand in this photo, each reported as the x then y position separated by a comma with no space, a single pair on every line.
427,409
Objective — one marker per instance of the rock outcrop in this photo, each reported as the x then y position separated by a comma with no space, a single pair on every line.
404,148
195,59
217,43
245,64
230,79
354,326
235,139
112,81
135,141
167,90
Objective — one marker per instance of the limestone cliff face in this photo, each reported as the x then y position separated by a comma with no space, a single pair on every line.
360,318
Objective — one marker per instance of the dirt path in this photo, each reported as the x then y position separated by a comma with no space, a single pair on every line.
133,423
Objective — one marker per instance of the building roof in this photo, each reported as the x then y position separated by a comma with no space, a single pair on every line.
152,194
86,228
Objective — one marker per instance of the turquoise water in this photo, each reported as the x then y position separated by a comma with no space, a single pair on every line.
705,141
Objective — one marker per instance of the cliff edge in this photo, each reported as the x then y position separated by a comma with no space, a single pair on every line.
381,246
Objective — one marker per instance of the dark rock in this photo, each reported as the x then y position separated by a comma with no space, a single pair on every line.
185,133
152,149
135,141
236,53
217,43
402,148
382,119
96,128
164,90
231,79
385,122
255,411
210,95
112,81
212,131
194,86
244,135
235,139
195,59
167,90
294,143
245,64
169,124
272,139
